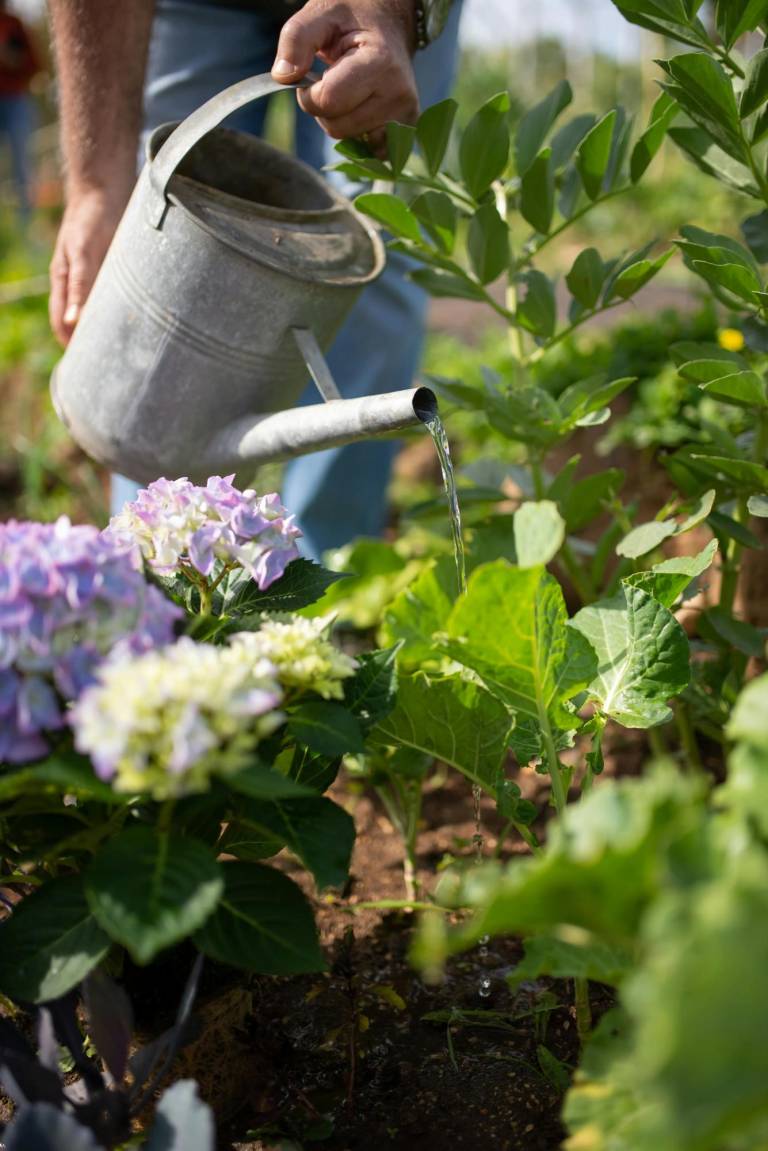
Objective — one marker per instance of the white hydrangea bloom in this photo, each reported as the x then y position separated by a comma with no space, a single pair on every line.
163,723
302,653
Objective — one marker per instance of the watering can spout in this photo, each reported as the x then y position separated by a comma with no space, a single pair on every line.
281,435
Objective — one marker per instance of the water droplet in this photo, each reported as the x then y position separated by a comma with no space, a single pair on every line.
485,988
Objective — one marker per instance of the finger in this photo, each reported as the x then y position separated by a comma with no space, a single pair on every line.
301,38
57,301
369,119
79,283
343,87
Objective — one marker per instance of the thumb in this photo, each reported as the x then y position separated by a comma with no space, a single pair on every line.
301,38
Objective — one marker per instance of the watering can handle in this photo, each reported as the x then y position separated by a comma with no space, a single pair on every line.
199,124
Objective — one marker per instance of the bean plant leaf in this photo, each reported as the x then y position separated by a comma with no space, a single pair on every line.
50,942
594,153
182,1121
539,533
754,229
400,141
511,627
585,279
662,114
263,923
631,279
447,285
645,538
149,889
537,192
391,213
326,727
712,160
536,123
667,18
433,131
537,311
488,243
701,86
484,146
438,217
643,657
452,719
319,832
667,581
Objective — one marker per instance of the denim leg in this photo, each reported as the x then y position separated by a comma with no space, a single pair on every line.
342,492
16,125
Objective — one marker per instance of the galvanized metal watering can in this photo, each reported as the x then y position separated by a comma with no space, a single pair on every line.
231,271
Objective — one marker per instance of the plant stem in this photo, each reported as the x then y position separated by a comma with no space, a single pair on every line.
542,350
531,252
687,735
583,1009
577,575
657,743
165,817
553,763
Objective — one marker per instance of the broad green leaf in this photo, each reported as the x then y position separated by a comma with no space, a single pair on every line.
734,278
578,401
438,216
534,126
262,923
662,114
50,942
447,285
539,533
316,772
742,474
61,773
645,538
710,158
581,501
567,139
511,627
745,389
400,141
260,782
758,506
735,17
421,610
668,19
562,959
755,90
755,232
392,213
594,153
302,583
326,727
526,414
537,311
182,1121
711,247
720,627
585,279
488,243
667,581
705,91
643,657
149,889
749,718
453,720
630,280
537,192
433,131
484,147
316,830
371,693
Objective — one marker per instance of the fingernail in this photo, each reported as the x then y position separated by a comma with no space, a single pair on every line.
71,314
283,68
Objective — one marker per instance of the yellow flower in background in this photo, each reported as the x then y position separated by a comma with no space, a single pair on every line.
730,339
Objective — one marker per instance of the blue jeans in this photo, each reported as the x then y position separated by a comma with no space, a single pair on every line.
195,52
16,118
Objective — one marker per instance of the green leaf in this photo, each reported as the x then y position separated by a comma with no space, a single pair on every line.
260,782
758,506
263,923
535,125
586,278
149,889
454,720
719,626
749,718
755,90
744,389
667,581
420,611
326,727
704,89
539,533
734,278
643,657
400,141
594,153
392,213
578,401
565,142
302,583
561,959
511,627
371,693
735,17
488,243
662,114
754,229
537,192
667,17
315,829
581,501
445,285
484,147
742,474
50,942
58,774
433,131
631,279
710,158
537,311
438,216
645,538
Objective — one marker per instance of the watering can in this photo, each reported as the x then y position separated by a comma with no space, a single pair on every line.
229,275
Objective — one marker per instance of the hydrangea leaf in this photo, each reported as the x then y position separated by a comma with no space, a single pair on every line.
371,693
539,533
301,584
643,656
511,628
149,889
263,923
50,943
326,728
452,719
419,612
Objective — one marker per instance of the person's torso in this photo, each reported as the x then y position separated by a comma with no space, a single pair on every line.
14,81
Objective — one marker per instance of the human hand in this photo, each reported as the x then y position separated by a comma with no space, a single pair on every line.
369,80
86,231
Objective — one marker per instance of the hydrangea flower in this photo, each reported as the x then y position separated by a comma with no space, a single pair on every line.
177,525
163,723
68,596
301,651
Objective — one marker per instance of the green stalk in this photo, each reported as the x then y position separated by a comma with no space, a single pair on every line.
583,1009
687,735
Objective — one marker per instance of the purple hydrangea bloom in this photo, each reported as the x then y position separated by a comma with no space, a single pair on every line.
177,525
68,597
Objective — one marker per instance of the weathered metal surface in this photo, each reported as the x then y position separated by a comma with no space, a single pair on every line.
187,340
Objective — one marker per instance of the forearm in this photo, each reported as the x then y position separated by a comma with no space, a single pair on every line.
101,52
